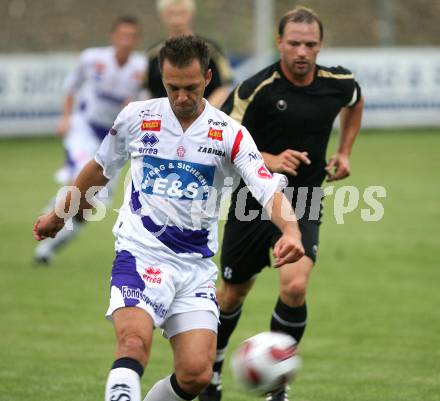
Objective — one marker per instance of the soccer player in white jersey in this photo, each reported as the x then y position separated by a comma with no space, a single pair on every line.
183,152
104,80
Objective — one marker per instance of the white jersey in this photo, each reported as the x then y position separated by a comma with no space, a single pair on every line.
178,178
105,85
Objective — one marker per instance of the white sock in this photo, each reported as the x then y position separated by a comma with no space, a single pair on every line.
161,391
123,384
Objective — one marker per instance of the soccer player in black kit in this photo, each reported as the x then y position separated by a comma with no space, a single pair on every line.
289,107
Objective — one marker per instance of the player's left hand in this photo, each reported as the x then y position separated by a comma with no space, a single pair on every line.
338,167
47,225
287,249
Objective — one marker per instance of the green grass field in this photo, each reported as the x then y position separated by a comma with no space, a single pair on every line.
374,299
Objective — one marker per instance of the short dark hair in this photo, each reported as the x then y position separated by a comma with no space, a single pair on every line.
182,50
125,19
300,14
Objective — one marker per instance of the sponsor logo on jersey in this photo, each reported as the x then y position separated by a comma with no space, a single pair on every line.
177,179
211,151
136,293
151,125
254,156
150,140
263,172
207,295
99,67
147,113
209,292
152,275
181,151
281,105
148,151
216,134
217,123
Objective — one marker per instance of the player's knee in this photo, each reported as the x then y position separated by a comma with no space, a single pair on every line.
231,302
195,376
295,290
231,297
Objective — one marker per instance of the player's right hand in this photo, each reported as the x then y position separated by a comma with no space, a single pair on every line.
47,225
287,161
288,249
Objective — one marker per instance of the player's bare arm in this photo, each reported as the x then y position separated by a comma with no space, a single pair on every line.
287,161
288,248
338,166
64,123
49,224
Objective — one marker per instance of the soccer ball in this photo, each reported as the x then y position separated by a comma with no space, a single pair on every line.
265,362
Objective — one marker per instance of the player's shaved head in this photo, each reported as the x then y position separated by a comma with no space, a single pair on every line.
301,14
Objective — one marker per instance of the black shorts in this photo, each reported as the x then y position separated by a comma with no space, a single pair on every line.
246,246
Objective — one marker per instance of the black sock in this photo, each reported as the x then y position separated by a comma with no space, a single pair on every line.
228,322
179,391
129,363
289,320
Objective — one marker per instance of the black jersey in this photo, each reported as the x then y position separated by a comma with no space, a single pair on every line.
280,115
219,65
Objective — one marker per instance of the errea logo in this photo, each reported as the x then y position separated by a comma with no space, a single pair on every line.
152,275
151,125
150,140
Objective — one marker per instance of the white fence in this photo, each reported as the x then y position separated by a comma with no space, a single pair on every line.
401,87
31,91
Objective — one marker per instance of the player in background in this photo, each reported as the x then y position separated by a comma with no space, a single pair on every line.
104,80
289,107
163,275
177,16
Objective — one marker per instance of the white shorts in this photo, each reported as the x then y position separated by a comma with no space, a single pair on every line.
163,287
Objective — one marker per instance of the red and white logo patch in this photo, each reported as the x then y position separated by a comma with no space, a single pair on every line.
99,67
152,275
151,125
263,172
216,134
